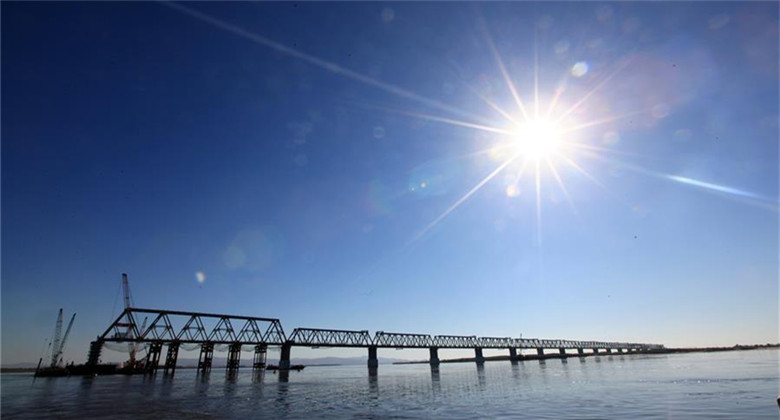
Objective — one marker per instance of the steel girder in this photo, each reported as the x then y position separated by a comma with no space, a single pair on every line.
455,341
206,328
402,340
316,337
194,327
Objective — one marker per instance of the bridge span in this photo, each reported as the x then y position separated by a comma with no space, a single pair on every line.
206,330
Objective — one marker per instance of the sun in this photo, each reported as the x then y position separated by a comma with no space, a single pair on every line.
536,139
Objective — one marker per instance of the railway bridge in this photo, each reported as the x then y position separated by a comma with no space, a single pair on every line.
173,329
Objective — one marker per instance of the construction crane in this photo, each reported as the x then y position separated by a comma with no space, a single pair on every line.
58,343
126,290
132,347
56,361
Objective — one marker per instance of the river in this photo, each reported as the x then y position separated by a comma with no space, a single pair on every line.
737,384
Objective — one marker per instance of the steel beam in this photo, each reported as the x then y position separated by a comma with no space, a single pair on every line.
205,357
330,338
171,358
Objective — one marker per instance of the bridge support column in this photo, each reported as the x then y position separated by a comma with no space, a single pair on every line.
581,352
595,351
434,360
512,354
261,350
153,357
95,348
540,351
234,358
609,351
478,357
373,360
205,357
171,357
562,351
284,358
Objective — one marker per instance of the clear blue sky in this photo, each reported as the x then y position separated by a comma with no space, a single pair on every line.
323,163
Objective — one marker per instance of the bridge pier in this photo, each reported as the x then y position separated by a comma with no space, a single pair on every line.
434,359
512,354
540,351
581,352
261,351
373,360
478,357
171,357
595,351
234,358
562,351
205,357
609,350
95,348
284,358
153,357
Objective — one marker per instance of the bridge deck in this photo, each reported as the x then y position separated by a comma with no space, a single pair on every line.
207,328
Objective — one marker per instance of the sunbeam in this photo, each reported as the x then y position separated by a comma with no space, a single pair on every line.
536,72
601,84
538,183
602,121
502,67
492,104
463,199
561,185
316,61
454,122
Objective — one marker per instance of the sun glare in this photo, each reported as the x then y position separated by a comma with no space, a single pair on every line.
537,139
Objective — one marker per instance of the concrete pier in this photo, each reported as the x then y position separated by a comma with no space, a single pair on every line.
478,357
540,351
609,351
284,358
595,351
513,354
434,360
581,351
562,351
373,361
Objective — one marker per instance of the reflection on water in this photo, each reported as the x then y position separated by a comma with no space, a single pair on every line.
373,380
729,384
481,375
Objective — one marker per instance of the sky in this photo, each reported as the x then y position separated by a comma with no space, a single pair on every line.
593,171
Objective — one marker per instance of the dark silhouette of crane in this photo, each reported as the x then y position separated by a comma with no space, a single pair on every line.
58,343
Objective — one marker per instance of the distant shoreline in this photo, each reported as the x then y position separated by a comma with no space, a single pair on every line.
738,347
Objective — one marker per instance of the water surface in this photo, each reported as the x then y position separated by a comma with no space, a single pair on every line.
698,385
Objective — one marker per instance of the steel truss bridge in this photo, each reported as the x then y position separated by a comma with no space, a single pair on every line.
206,330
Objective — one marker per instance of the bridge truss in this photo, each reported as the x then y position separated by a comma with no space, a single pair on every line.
240,333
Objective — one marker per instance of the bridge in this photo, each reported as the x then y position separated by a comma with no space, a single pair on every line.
206,330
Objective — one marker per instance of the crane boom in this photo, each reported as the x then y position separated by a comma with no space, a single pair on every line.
126,290
56,342
64,340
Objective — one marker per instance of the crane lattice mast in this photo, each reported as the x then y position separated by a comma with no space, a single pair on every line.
57,351
56,342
